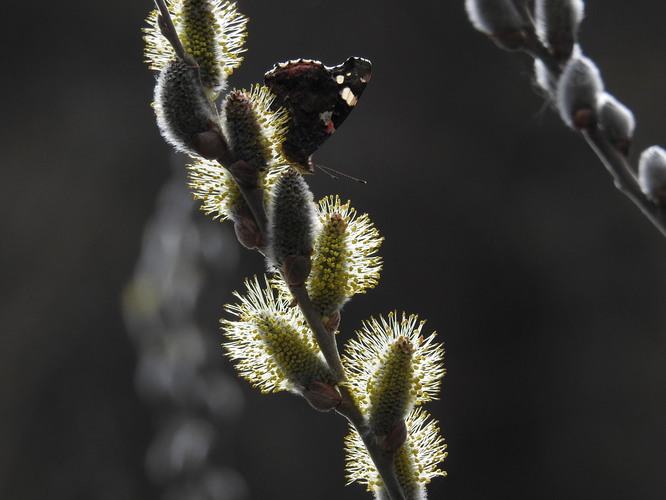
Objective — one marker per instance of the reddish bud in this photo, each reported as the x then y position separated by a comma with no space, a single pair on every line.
395,438
616,122
322,396
333,322
296,269
209,144
244,173
247,232
578,92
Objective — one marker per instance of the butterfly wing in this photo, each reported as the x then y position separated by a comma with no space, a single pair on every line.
351,76
318,99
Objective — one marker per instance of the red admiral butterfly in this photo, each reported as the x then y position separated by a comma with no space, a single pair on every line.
318,99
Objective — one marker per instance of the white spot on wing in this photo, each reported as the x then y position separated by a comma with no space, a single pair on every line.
340,79
326,116
348,96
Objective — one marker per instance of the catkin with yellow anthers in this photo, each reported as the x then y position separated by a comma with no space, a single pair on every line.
355,250
297,361
271,344
216,188
212,34
390,395
329,279
416,463
198,29
393,348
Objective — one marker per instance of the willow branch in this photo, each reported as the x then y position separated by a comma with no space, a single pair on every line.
616,164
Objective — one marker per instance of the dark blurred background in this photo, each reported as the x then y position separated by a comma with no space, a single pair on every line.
502,230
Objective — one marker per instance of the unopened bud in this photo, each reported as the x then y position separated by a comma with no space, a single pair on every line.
246,138
322,396
296,269
291,218
244,173
652,174
501,20
185,115
247,230
557,24
616,122
578,93
332,322
395,438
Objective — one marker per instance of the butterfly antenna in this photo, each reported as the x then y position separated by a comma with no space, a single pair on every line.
331,173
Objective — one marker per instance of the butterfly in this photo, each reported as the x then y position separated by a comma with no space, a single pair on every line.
318,98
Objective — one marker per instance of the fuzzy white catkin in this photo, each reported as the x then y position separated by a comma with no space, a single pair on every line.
578,89
615,119
494,16
554,17
652,174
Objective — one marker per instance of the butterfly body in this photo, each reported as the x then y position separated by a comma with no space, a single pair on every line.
318,98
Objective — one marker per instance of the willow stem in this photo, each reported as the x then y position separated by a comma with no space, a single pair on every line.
625,180
384,461
325,338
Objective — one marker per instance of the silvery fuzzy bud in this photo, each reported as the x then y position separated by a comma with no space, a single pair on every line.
291,224
578,93
616,121
245,136
557,24
652,174
185,116
500,19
